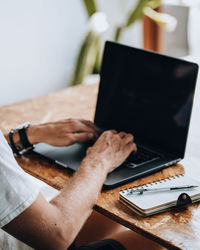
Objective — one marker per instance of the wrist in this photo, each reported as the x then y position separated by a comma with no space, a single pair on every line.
95,164
18,140
34,134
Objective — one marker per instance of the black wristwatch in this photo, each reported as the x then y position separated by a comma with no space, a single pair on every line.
23,145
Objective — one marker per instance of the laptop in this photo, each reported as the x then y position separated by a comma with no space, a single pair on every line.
144,93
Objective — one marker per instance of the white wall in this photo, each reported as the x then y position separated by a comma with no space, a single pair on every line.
39,41
194,31
37,46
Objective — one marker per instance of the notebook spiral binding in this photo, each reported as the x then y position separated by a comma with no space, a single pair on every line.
129,190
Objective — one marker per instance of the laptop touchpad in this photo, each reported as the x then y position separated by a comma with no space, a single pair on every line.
69,156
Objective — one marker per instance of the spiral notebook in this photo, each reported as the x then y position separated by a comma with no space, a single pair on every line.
149,203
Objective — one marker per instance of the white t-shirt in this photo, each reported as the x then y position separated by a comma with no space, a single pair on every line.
17,191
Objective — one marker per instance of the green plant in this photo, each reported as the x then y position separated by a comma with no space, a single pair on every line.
89,56
135,14
88,59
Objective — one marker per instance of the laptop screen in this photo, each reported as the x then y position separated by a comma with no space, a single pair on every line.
148,94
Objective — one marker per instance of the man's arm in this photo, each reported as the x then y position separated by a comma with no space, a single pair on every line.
59,133
54,225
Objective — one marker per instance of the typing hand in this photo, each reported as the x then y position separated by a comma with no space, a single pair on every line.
110,150
62,133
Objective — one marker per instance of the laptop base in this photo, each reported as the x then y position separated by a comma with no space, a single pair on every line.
71,157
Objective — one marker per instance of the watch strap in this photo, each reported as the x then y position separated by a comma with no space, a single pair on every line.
14,148
23,145
24,139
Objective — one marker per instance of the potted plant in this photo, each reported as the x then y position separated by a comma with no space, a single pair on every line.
89,56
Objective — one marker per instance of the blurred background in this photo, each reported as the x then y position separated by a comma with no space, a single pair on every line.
47,45
41,40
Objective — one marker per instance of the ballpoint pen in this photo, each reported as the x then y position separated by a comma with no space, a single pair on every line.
142,190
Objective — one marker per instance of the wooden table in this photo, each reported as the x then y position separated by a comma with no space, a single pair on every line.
171,229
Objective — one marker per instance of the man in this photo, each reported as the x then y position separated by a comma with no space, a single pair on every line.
69,217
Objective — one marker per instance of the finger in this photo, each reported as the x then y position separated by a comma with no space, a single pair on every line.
109,132
84,127
81,137
71,125
91,125
122,134
88,123
128,138
76,125
89,149
112,131
131,147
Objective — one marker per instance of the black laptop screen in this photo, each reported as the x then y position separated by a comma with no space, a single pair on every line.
148,94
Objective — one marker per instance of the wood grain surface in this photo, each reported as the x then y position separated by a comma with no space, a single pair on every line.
174,230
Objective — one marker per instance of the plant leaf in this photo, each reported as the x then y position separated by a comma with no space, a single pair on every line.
163,19
133,16
153,3
87,57
118,32
90,6
136,12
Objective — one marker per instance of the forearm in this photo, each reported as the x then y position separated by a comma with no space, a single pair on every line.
60,133
77,199
34,134
55,224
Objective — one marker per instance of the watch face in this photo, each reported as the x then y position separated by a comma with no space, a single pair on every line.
23,125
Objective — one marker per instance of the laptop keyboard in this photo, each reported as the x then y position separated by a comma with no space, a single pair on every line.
140,157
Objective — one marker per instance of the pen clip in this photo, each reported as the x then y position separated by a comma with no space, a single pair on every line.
182,202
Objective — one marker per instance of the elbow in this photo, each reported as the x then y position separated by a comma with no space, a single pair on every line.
63,232
60,233
56,239
63,238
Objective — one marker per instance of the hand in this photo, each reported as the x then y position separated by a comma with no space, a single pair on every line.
62,133
110,150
